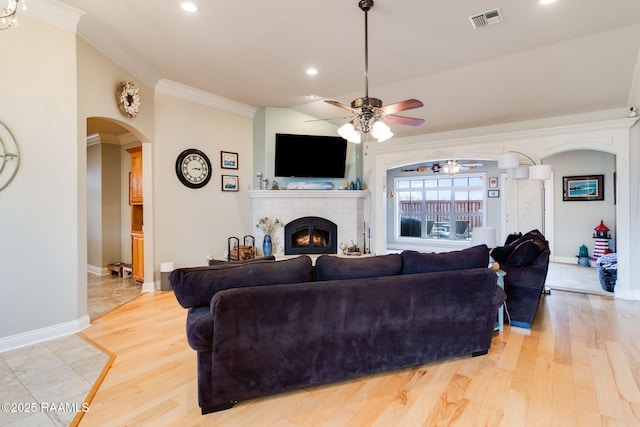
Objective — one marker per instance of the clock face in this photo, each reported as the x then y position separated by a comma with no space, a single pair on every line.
193,168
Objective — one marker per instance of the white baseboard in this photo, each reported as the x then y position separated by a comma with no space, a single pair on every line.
148,287
565,260
99,271
44,334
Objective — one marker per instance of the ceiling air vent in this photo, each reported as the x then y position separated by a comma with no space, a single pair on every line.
484,19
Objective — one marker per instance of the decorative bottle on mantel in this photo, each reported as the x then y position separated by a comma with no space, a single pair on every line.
266,245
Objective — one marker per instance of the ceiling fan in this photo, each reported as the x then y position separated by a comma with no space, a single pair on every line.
370,114
453,166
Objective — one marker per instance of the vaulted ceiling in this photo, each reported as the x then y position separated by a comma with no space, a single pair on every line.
569,57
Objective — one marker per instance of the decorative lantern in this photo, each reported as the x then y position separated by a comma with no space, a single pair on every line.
583,256
602,237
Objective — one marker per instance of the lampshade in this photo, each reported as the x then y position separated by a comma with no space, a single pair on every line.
521,172
540,172
381,131
349,132
508,161
484,235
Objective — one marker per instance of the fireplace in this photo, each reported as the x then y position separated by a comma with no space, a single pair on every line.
310,235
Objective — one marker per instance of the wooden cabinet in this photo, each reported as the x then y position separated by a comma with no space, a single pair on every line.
135,176
137,254
135,200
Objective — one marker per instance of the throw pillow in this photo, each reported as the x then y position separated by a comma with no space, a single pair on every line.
526,251
419,262
194,287
336,268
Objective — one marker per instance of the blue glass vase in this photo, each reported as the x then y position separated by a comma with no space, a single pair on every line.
266,245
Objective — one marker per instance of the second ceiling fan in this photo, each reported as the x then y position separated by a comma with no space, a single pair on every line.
370,114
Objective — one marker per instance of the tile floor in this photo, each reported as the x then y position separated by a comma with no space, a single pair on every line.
108,292
45,375
59,371
575,278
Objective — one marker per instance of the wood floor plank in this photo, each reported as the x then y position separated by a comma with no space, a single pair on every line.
579,365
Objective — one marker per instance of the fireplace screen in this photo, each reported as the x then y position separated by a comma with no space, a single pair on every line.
310,235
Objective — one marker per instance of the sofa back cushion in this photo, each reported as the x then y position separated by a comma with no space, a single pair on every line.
213,262
194,287
337,268
419,262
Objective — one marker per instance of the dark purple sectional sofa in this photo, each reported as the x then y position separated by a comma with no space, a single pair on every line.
270,326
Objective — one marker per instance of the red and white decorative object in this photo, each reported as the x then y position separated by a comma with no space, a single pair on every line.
602,237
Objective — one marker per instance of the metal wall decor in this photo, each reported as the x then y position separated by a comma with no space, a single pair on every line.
9,156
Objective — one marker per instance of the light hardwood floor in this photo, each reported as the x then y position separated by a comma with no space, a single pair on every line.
578,366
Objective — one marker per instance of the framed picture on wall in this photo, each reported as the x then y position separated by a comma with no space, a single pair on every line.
493,182
493,193
228,160
229,183
583,188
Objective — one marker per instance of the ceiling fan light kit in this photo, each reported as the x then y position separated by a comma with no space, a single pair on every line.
369,111
8,16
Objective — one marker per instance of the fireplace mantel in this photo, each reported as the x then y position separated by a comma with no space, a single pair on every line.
357,194
346,208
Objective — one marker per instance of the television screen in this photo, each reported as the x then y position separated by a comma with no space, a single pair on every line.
310,156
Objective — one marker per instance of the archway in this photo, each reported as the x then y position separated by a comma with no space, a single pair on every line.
109,215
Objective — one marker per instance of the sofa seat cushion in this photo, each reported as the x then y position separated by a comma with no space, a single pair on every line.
336,268
194,287
418,262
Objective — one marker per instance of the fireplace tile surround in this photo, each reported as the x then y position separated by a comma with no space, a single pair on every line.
347,208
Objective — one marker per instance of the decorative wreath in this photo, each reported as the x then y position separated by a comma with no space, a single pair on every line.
128,98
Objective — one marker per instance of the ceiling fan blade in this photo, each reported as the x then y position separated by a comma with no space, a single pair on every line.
408,104
402,120
339,105
329,119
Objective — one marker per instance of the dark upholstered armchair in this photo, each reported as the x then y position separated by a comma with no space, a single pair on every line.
525,259
410,227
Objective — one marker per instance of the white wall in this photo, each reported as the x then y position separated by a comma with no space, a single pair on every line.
42,248
190,224
575,220
616,137
283,120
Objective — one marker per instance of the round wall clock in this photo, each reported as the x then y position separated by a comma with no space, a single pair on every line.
9,156
193,168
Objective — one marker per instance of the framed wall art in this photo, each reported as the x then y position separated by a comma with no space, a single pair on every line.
493,193
228,160
229,183
493,182
583,188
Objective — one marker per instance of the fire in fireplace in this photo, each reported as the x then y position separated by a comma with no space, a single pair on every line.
310,235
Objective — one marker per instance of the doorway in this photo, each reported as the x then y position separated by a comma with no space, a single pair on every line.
109,213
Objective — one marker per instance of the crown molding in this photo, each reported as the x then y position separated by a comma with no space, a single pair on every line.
110,46
198,96
55,13
634,92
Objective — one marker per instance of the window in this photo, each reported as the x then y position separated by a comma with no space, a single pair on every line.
445,208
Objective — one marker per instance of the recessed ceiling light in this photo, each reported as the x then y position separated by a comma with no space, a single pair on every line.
547,1
312,96
189,7
312,71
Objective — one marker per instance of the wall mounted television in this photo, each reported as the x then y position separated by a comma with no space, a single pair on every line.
310,156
